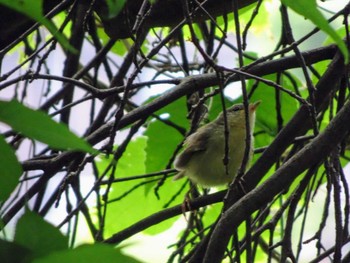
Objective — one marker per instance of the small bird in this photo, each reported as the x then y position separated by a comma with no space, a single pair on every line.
202,159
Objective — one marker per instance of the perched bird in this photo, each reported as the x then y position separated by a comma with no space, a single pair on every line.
202,159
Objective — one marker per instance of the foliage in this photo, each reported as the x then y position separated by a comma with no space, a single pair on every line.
38,241
134,79
35,125
33,9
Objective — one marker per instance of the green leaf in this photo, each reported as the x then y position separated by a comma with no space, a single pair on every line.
133,160
97,253
163,139
135,205
30,8
261,22
120,47
42,238
10,170
33,9
266,118
309,10
114,7
11,252
39,126
215,106
121,213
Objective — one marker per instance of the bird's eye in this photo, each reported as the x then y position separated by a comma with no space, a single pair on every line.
236,108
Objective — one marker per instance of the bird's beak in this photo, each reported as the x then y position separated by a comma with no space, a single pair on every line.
253,106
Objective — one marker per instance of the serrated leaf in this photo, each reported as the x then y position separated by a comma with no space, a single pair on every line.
97,253
40,237
309,10
10,170
39,126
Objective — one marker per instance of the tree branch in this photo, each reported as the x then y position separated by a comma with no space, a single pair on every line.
165,13
188,85
310,155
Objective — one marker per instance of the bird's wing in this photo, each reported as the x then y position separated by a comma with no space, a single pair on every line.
196,142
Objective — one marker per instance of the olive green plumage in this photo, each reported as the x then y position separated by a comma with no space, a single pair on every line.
202,158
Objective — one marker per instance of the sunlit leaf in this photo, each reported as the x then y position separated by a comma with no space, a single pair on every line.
160,134
135,205
39,126
266,116
120,47
309,10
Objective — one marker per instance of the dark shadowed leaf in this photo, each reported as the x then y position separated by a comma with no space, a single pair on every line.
42,238
114,7
98,253
10,170
11,252
33,9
